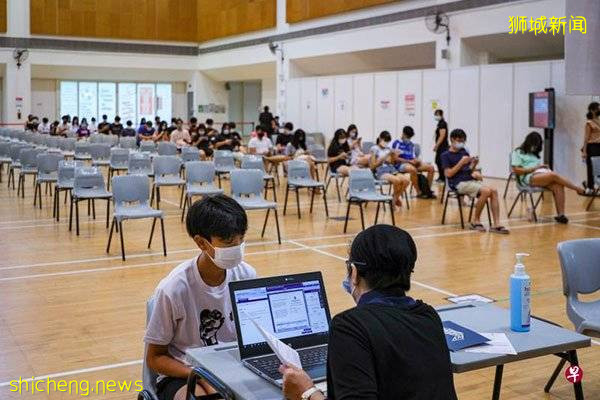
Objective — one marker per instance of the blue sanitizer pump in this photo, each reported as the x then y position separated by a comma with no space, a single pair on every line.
520,297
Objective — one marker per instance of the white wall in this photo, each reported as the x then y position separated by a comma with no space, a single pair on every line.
490,102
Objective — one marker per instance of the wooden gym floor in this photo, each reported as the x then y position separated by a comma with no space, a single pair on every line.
72,311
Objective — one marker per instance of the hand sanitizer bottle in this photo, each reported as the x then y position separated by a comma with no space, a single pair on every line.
520,297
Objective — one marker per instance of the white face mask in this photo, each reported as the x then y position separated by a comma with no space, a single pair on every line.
341,141
458,145
228,257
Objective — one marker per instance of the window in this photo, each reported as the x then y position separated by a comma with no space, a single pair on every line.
130,100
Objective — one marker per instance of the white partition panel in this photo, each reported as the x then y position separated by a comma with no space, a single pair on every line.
343,102
308,103
410,102
435,95
464,100
495,129
386,103
292,101
325,105
363,105
533,77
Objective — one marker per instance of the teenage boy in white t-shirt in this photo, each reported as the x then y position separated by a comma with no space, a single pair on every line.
192,307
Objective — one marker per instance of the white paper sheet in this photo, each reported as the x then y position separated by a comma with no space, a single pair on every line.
285,353
498,344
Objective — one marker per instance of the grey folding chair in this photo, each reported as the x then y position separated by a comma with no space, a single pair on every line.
47,167
128,142
200,176
82,151
147,146
511,175
246,189
148,375
130,197
528,191
190,153
95,138
224,163
64,183
362,189
320,155
119,161
4,156
256,162
100,154
299,178
366,147
166,173
452,193
28,159
596,169
580,275
88,185
140,164
339,182
67,145
167,149
15,164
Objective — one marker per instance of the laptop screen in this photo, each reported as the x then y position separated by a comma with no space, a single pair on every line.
293,307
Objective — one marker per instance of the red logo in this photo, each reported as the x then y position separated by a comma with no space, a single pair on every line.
574,374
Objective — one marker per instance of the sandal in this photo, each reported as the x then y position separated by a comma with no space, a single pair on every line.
477,227
499,229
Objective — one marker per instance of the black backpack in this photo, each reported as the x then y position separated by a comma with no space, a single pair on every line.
424,186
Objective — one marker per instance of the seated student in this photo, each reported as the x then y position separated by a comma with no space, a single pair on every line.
459,167
162,133
408,163
104,126
357,157
260,145
173,126
116,128
128,131
297,150
389,346
231,141
193,126
92,126
64,128
203,142
530,170
53,128
142,126
147,133
192,307
382,163
284,138
45,126
74,127
181,137
338,153
83,131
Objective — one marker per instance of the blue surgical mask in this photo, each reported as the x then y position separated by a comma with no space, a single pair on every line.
346,285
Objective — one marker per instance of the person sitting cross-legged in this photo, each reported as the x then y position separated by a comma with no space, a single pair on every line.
459,169
408,163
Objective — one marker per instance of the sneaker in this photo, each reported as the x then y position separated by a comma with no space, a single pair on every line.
561,219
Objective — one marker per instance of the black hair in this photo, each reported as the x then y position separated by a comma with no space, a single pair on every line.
45,120
259,127
178,120
289,126
193,120
299,139
385,136
142,121
458,134
83,120
149,123
408,131
266,108
209,121
593,110
156,118
232,125
93,119
216,216
532,144
439,112
337,135
75,118
201,126
129,123
224,126
385,257
352,127
104,116
117,118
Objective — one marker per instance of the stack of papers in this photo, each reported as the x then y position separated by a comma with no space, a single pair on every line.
498,344
285,353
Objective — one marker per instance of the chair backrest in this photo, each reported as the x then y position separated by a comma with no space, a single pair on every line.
15,151
166,165
148,375
148,146
139,163
190,153
246,182
82,148
111,140
298,169
417,150
68,144
53,142
130,188
95,138
366,147
66,169
199,172
99,151
596,167
47,163
88,178
167,149
4,149
119,156
128,142
223,158
253,162
28,157
361,180
579,265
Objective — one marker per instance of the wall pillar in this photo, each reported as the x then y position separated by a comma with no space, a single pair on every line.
16,103
17,18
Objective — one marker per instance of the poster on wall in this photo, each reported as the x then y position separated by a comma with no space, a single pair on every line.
68,98
164,101
88,100
342,105
127,98
324,92
107,99
145,94
410,106
384,104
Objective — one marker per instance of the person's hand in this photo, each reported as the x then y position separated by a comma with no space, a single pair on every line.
295,382
435,147
465,160
414,162
343,156
542,166
229,141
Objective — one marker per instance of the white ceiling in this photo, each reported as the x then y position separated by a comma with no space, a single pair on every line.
415,56
504,47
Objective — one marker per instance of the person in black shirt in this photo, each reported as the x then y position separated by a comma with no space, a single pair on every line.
441,142
284,138
104,126
389,346
265,117
116,128
202,141
228,140
128,131
338,153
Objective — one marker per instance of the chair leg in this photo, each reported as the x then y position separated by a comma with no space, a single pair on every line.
158,197
40,194
460,212
554,375
392,213
362,215
262,234
152,196
277,225
219,179
298,201
514,203
312,198
487,207
185,203
162,231
71,214
510,176
535,219
337,187
592,199
89,205
151,232
274,191
471,209
122,242
377,212
35,190
181,197
77,216
110,235
325,202
94,209
443,193
347,215
110,174
287,192
54,204
445,209
539,199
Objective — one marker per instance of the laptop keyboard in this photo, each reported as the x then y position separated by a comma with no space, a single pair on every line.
269,365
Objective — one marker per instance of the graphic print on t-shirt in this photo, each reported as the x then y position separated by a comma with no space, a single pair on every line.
210,323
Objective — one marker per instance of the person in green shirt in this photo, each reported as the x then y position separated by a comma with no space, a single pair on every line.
527,164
